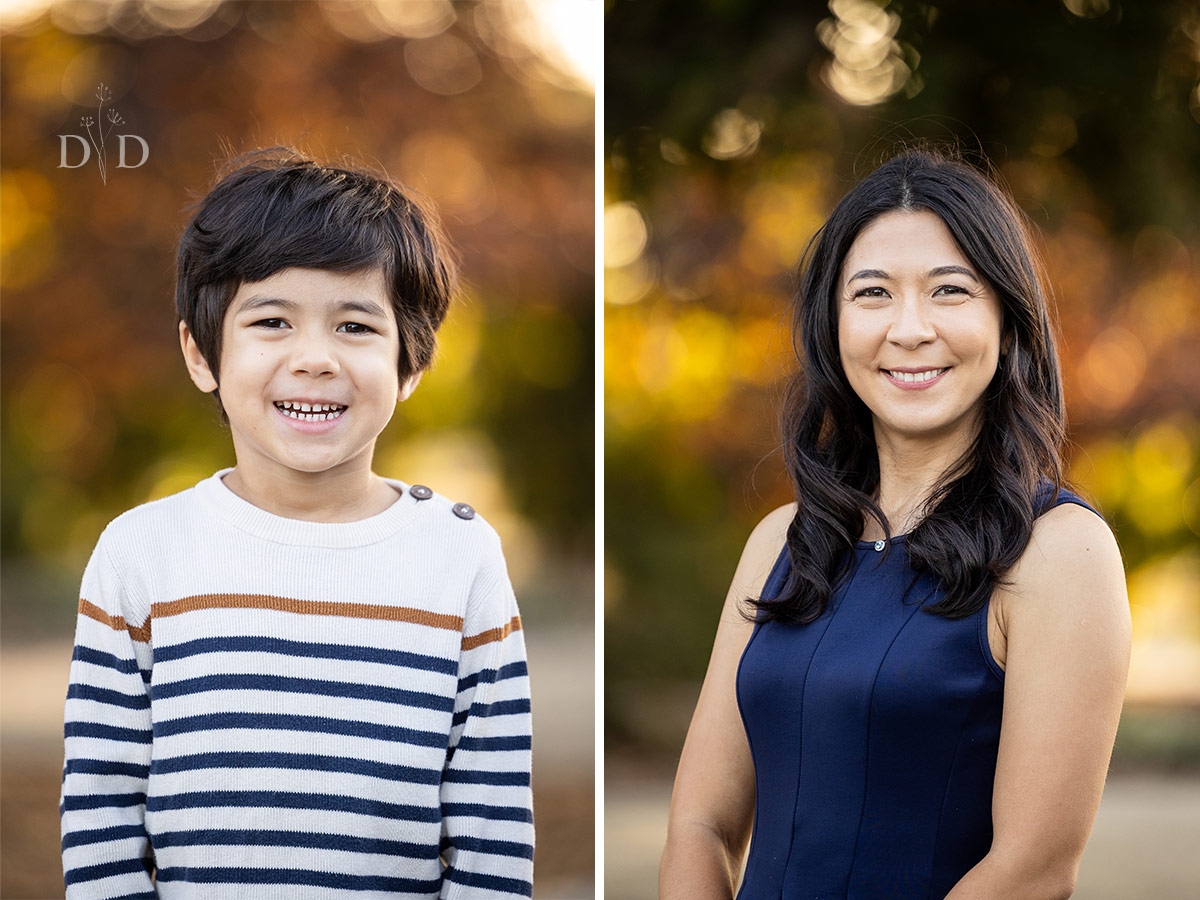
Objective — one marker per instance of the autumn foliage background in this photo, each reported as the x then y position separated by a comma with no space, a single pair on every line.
487,108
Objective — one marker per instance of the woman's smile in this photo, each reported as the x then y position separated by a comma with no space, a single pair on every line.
915,379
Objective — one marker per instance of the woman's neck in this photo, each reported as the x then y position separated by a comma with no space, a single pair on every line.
908,473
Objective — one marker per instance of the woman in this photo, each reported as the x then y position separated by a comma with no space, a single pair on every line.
923,698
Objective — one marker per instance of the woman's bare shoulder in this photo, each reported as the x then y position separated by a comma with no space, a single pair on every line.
1072,561
762,549
772,528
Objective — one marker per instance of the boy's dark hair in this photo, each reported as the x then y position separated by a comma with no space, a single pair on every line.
275,209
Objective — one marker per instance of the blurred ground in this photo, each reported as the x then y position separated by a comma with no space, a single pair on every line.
33,683
1143,846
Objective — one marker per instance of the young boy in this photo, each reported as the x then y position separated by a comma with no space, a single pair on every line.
299,679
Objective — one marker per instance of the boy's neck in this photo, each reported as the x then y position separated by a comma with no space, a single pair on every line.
340,496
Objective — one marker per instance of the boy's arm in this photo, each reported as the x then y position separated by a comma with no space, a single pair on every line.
108,729
487,803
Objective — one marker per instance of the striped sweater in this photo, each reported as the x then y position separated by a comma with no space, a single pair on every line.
262,707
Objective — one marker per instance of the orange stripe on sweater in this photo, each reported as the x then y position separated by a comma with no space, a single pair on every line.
492,634
116,623
282,604
309,608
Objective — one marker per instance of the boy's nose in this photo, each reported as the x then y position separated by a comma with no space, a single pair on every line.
314,355
911,326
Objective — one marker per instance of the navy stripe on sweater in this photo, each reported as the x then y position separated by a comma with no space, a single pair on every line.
80,765
99,835
294,800
79,691
489,812
513,742
489,676
306,761
495,848
253,644
106,870
100,658
478,776
380,883
101,801
232,837
490,882
283,722
498,708
107,732
321,687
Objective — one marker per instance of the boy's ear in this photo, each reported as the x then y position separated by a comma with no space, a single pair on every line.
197,367
407,386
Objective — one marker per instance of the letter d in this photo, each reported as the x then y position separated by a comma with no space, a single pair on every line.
87,151
145,151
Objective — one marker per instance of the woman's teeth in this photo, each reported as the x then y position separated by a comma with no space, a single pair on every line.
916,376
311,412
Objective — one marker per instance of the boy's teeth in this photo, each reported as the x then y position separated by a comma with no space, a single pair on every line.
311,412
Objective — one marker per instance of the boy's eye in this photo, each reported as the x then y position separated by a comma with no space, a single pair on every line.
355,328
270,323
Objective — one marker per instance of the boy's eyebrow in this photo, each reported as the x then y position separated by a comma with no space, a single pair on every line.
366,307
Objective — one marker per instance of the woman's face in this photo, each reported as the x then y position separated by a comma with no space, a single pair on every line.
919,331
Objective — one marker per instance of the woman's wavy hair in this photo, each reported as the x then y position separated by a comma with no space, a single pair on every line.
979,517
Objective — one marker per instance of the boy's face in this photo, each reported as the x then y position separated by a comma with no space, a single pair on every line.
308,372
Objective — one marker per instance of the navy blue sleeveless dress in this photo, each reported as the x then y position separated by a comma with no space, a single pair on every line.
874,732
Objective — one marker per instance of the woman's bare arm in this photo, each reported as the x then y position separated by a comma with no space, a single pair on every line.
713,802
1065,617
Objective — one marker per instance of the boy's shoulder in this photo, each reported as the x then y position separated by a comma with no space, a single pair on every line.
162,512
437,513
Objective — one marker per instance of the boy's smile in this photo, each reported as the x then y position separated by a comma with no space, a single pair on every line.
308,380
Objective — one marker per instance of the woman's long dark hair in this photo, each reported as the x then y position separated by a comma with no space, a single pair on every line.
980,515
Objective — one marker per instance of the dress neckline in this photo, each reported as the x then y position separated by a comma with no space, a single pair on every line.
881,544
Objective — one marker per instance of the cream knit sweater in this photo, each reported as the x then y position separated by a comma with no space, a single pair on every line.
261,707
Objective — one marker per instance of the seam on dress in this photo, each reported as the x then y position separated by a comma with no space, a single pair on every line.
937,832
870,718
833,611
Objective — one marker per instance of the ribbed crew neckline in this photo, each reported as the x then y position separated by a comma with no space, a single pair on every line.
268,526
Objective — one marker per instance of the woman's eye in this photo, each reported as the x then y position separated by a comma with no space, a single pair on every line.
355,328
871,292
948,289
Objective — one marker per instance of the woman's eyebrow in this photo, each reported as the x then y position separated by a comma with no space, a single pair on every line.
868,273
953,270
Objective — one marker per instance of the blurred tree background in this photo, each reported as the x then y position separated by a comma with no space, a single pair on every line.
731,128
485,107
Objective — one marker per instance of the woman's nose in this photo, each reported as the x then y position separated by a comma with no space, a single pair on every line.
911,326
